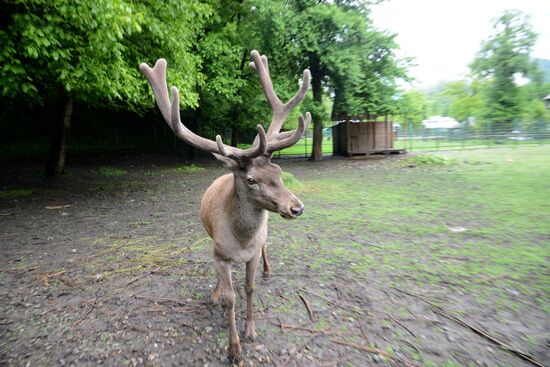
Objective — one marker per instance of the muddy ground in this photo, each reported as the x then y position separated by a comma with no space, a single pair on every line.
116,271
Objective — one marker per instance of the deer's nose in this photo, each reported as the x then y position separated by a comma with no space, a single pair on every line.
297,211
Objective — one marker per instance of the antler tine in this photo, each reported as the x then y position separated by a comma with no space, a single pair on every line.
293,138
260,64
171,112
183,132
286,134
239,154
280,110
157,78
299,96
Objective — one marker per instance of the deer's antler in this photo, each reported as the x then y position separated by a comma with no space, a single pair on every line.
171,112
276,140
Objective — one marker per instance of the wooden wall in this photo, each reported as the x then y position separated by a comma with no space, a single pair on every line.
362,137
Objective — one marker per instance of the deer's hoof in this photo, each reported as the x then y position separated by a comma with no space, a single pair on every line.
266,274
234,352
250,331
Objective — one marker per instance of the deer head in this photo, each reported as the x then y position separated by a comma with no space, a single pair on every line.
255,177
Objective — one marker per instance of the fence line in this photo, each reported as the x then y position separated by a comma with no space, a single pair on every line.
433,140
457,140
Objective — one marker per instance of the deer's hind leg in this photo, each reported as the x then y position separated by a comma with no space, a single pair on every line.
217,292
267,268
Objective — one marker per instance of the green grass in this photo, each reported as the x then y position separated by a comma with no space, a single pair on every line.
111,172
189,169
291,182
394,225
401,218
303,148
430,160
15,193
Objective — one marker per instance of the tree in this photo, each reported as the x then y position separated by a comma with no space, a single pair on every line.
346,58
61,52
231,96
501,57
465,100
413,106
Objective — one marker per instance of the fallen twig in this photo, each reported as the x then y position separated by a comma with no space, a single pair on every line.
490,337
308,307
369,349
17,270
92,307
363,347
196,305
160,300
302,275
152,271
402,325
301,328
438,309
47,276
174,309
351,309
491,278
59,206
281,324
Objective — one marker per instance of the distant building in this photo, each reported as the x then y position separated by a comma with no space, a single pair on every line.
547,100
440,122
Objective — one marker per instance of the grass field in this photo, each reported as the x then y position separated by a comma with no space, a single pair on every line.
501,198
470,230
395,262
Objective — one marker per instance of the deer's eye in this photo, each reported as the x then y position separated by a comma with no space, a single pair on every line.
251,181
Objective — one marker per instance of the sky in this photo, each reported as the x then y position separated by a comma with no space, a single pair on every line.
444,35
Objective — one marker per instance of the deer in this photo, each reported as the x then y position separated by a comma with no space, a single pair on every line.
235,208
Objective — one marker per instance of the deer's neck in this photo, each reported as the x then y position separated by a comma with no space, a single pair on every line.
246,217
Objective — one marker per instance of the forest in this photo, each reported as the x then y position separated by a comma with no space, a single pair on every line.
71,83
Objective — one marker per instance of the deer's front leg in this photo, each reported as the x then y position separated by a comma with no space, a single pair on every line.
223,270
251,266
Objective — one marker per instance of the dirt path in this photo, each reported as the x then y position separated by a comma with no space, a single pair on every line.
117,271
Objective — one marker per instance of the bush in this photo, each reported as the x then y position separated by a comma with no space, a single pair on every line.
111,172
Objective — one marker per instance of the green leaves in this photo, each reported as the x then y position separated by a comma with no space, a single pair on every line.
92,49
503,55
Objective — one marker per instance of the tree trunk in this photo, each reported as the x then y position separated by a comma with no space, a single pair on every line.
234,136
316,76
55,165
195,127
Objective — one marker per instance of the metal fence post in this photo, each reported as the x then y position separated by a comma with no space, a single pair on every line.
410,128
539,130
305,144
489,132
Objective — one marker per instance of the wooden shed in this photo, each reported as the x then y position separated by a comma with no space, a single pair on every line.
363,135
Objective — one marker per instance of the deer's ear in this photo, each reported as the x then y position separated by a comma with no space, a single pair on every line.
230,163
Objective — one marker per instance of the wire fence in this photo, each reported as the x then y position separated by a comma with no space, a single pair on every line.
304,146
421,139
468,138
